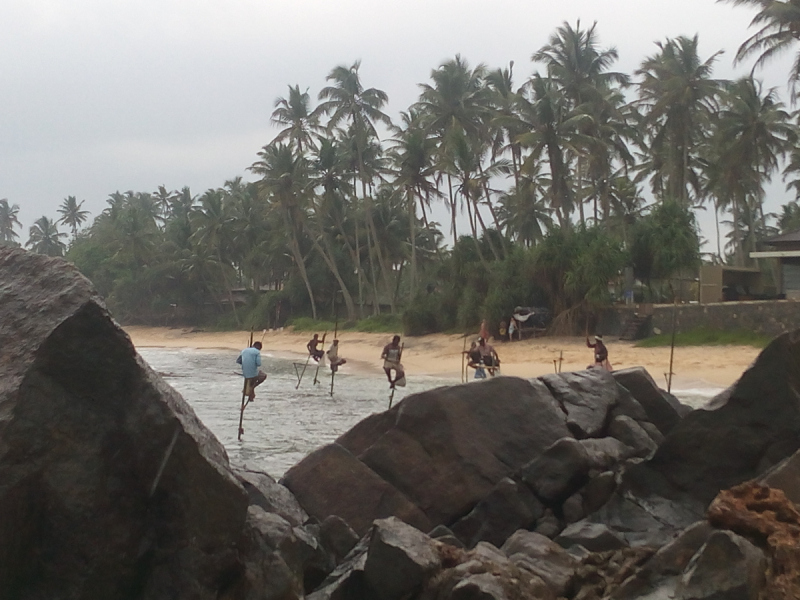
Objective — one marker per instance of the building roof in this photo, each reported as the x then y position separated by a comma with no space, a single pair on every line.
792,237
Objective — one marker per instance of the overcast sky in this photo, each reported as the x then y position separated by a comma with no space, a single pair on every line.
106,95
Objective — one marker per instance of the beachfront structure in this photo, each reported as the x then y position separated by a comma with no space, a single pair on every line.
785,248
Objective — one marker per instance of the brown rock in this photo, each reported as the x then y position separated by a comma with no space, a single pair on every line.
768,518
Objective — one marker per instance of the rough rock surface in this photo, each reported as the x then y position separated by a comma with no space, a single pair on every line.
764,515
399,560
743,431
662,409
441,450
544,557
85,425
586,396
110,487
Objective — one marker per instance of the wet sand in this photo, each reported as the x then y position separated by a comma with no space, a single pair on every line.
440,354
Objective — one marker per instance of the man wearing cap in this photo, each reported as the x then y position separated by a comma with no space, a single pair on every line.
600,353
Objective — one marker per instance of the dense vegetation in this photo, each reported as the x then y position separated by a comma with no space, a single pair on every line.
550,176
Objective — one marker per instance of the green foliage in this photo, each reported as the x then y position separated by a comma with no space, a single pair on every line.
385,323
664,242
423,315
707,336
311,325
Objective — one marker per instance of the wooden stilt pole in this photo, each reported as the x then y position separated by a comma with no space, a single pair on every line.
335,333
321,358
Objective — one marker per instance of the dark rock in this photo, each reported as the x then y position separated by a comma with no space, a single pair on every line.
110,487
450,446
727,567
331,481
592,536
598,491
633,435
544,557
337,537
785,476
559,471
659,576
489,553
605,453
572,509
439,452
278,573
443,534
652,431
399,559
347,580
723,444
548,525
507,508
662,409
628,406
586,396
264,491
483,586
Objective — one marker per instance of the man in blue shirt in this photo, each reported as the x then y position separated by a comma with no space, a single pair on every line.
250,359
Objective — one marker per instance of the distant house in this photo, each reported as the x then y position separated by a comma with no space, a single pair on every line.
786,249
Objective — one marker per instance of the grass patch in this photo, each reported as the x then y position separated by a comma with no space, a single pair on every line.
706,336
386,323
309,324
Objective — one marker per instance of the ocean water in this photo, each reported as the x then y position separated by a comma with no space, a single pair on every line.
284,424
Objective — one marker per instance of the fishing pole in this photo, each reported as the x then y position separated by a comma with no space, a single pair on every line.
335,332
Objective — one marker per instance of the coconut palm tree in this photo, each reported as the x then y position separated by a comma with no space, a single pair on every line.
299,121
456,105
677,96
346,101
779,23
283,185
72,215
44,238
8,222
753,133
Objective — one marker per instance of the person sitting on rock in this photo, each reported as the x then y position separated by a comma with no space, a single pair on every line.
313,350
600,353
250,359
333,356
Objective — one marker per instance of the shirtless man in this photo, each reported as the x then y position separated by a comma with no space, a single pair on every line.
600,353
391,362
313,351
488,356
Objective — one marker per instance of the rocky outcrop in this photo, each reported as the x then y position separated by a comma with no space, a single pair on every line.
110,487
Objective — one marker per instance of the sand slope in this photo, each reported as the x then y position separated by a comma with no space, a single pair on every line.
440,354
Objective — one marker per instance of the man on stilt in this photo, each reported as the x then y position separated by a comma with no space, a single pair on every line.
250,359
391,355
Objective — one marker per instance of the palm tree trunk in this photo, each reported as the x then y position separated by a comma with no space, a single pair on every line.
412,224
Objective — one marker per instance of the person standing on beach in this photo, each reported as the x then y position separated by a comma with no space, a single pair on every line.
391,355
600,353
250,359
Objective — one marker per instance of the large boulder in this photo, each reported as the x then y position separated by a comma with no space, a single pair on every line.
331,481
559,471
507,508
110,487
743,431
439,451
542,556
399,559
662,409
587,397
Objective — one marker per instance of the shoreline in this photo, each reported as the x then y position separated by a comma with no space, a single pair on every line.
439,354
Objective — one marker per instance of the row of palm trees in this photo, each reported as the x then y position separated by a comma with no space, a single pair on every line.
569,147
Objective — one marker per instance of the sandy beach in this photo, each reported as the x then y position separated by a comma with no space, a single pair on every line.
440,354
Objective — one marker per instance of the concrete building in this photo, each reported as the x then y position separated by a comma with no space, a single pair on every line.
785,248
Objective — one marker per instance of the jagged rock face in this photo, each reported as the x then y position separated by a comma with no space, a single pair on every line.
439,451
110,487
744,431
